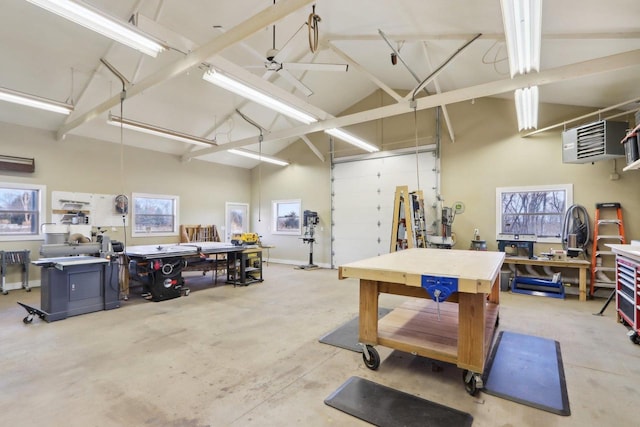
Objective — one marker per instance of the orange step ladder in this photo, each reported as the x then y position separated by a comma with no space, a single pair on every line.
602,259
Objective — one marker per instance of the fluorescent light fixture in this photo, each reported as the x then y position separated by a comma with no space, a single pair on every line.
158,131
258,156
346,137
523,32
34,101
93,19
239,88
527,107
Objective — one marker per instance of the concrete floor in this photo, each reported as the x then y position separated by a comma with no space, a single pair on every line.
250,356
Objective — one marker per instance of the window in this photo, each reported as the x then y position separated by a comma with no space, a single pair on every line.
286,217
155,215
537,210
21,208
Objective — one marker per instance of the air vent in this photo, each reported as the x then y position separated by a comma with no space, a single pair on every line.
593,142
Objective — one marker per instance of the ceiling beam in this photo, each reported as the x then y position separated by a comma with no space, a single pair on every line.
352,62
487,36
240,32
445,111
417,79
313,147
563,73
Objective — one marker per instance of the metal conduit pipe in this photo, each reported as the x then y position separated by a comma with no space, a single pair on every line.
531,271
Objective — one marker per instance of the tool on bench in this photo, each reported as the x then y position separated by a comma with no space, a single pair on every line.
540,287
240,239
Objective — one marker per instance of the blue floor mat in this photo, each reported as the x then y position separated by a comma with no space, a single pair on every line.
528,370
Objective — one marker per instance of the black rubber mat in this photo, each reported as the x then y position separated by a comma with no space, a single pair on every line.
346,335
528,370
386,407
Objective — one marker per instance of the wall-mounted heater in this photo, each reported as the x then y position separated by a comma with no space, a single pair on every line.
593,142
17,164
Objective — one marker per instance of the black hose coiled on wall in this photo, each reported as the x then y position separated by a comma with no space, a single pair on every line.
576,221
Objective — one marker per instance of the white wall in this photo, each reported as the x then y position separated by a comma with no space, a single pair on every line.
488,153
78,164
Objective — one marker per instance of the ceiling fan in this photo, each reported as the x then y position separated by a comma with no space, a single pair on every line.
275,57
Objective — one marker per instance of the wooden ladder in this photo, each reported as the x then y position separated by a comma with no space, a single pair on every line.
603,260
409,222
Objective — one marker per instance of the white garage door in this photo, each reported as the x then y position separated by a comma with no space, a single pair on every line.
363,195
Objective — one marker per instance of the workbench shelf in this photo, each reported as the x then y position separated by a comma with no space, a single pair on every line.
244,267
415,326
20,259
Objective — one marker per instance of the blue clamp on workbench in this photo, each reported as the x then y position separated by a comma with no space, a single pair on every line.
439,288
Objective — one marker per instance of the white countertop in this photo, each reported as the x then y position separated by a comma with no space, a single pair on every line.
631,251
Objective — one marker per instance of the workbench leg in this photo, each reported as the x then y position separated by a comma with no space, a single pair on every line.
471,331
368,324
582,284
494,296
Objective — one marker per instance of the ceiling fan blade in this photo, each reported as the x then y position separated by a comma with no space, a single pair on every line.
314,66
295,82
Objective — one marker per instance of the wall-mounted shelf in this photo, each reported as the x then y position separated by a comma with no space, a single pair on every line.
632,166
636,164
17,164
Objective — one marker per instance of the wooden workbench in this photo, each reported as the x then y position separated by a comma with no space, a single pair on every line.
581,264
463,333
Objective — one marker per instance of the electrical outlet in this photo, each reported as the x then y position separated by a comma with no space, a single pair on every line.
614,177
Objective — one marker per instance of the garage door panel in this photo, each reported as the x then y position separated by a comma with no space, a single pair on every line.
363,198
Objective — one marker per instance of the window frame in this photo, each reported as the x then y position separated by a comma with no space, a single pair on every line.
176,209
567,188
41,208
296,209
230,207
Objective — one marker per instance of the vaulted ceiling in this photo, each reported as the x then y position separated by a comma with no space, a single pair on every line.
590,57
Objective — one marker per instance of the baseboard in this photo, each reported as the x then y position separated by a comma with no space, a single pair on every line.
18,285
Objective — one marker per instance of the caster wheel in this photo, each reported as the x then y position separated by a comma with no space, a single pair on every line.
634,337
28,289
373,362
28,319
470,382
5,292
186,293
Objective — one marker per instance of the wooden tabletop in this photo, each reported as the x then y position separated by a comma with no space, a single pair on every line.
476,271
